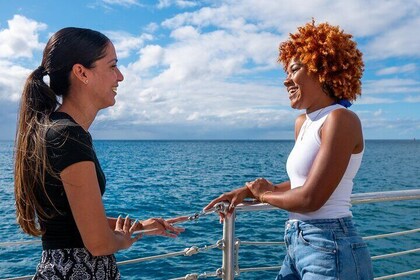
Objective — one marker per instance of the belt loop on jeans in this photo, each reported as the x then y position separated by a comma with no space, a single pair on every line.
343,225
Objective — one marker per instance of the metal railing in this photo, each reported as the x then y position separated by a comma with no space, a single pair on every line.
230,245
229,240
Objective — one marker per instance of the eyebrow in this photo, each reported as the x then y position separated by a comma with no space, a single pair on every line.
113,60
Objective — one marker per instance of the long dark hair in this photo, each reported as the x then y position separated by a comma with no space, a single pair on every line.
67,47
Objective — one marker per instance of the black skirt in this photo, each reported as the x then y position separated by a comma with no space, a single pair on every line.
76,264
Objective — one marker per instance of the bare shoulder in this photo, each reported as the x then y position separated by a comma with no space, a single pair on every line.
343,117
344,125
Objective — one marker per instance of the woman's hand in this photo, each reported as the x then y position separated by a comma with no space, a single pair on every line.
259,187
233,197
125,228
159,226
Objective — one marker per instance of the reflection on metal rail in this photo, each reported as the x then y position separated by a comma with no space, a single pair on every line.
230,245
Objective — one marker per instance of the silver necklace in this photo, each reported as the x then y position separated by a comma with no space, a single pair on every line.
308,125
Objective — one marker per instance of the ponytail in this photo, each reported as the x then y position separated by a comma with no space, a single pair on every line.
37,103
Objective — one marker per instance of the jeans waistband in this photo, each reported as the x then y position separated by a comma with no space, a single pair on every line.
340,224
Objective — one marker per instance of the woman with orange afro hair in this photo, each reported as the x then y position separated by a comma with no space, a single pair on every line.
324,70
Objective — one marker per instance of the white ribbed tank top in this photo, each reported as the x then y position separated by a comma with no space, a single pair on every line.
300,162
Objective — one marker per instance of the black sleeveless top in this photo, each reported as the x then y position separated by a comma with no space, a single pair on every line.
67,143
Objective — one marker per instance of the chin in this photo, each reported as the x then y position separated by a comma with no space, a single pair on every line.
294,105
108,104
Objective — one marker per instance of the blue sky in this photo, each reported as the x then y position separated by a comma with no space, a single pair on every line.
208,70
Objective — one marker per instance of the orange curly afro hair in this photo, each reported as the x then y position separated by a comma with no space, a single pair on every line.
329,53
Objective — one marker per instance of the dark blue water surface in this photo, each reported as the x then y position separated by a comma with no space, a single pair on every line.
172,178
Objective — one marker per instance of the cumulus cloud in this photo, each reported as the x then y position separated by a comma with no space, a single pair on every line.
188,81
178,3
12,78
365,19
126,43
399,40
20,39
213,65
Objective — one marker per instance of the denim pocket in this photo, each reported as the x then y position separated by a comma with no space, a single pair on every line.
362,260
322,240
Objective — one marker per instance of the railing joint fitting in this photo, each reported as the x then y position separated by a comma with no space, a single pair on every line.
220,244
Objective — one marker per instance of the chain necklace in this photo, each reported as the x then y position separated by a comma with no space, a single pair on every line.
311,121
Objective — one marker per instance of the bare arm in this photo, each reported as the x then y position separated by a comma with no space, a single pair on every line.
82,190
341,136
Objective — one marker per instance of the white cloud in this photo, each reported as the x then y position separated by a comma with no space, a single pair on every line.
204,17
399,40
150,56
12,78
407,68
185,33
203,101
214,67
151,27
178,3
213,55
359,17
188,78
20,39
125,43
391,24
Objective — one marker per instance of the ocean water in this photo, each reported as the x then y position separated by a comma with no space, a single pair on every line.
171,178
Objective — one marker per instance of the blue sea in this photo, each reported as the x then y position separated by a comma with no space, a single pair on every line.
171,178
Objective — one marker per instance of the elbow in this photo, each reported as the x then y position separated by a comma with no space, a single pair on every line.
314,207
100,244
99,247
309,204
96,253
97,250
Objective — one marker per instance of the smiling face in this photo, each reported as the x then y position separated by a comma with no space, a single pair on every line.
304,88
104,78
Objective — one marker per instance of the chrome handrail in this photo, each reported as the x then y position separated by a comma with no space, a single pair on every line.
360,198
229,260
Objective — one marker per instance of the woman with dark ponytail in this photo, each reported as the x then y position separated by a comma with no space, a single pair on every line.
59,182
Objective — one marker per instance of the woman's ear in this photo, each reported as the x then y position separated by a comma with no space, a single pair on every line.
80,72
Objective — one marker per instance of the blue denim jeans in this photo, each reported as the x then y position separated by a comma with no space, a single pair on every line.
325,249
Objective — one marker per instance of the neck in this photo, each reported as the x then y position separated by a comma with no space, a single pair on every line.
322,103
83,115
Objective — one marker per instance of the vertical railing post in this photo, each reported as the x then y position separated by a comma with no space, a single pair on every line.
228,262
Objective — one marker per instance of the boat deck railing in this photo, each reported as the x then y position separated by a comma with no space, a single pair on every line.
230,245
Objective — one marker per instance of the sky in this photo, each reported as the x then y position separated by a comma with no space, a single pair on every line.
209,70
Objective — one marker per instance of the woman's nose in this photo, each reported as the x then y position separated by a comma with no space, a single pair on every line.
287,82
120,76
